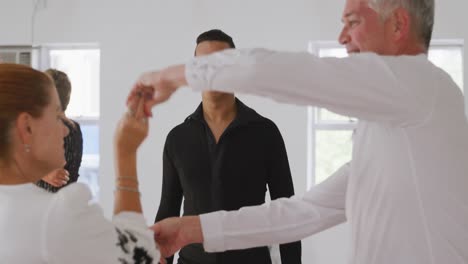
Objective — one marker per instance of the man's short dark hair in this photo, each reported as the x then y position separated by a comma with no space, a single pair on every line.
216,35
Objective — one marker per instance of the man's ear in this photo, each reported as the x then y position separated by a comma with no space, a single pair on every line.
401,24
24,124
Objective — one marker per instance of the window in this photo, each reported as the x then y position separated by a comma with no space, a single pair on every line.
330,135
82,64
16,54
448,55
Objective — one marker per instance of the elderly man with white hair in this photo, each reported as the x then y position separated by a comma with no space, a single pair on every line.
404,194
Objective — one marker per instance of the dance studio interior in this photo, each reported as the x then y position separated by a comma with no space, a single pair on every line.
104,46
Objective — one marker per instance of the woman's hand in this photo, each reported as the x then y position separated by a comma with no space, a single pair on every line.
133,126
57,178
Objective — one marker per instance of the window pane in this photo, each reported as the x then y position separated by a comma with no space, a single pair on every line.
333,52
90,139
89,176
89,169
82,67
324,116
450,60
333,149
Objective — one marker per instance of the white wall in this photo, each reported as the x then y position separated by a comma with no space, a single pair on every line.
139,35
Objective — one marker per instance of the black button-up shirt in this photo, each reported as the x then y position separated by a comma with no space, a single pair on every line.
235,172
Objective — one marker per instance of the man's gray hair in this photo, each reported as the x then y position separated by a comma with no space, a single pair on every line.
421,12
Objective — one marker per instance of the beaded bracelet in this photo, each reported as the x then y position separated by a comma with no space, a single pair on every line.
128,178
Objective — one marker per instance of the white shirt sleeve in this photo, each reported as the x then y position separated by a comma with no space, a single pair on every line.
367,86
280,221
76,231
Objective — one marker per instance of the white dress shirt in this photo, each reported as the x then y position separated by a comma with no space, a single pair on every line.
405,192
40,227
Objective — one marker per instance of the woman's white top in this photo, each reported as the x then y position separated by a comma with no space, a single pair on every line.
405,192
40,227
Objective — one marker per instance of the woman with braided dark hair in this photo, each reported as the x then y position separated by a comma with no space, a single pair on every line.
73,143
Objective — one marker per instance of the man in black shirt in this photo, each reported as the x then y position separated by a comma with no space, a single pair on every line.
223,157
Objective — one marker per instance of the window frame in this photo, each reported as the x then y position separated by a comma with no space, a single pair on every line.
314,124
41,61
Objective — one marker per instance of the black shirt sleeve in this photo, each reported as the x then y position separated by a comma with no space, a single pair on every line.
280,185
171,193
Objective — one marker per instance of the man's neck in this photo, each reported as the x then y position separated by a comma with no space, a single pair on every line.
219,109
413,50
412,47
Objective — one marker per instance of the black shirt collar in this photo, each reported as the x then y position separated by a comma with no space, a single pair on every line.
244,114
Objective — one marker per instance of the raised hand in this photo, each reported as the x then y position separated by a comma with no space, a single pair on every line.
133,126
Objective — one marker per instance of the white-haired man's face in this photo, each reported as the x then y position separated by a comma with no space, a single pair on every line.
365,31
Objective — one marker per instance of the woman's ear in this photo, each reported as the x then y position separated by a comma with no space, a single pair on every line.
24,127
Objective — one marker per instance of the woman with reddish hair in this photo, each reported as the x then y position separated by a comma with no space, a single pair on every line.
41,227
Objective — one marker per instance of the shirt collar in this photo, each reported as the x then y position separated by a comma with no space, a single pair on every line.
244,114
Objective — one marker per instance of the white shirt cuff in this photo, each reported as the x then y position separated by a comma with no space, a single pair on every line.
213,239
193,76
